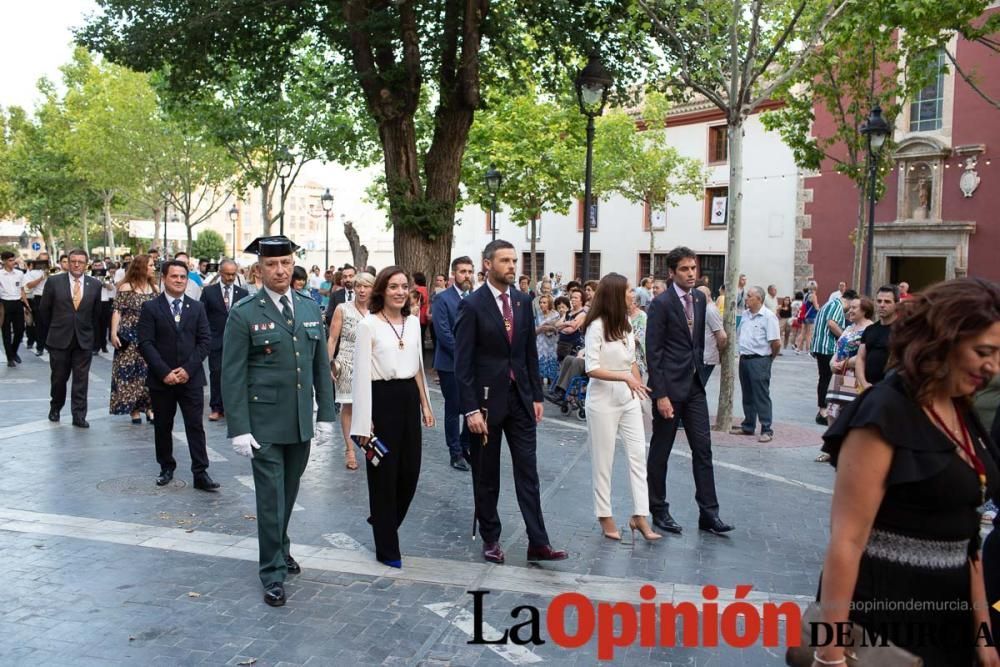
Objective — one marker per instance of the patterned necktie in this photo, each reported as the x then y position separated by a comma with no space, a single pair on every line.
350,296
77,294
508,317
465,294
176,310
286,309
689,312
225,297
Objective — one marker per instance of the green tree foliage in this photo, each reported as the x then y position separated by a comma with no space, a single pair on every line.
536,142
642,166
208,245
397,57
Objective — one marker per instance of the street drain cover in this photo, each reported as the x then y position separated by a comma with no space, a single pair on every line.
138,486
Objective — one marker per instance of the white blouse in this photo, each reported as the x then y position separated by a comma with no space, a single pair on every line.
615,356
377,356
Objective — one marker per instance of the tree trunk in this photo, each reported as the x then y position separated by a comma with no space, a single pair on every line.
534,255
860,238
109,234
84,219
156,225
265,209
359,253
190,233
727,380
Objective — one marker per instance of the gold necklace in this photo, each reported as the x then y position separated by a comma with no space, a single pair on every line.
402,330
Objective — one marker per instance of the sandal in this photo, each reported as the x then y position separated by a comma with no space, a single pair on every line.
822,458
350,462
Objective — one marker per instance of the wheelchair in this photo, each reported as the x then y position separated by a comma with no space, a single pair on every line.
576,397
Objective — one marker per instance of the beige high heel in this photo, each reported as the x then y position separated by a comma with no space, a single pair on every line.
638,523
350,462
609,528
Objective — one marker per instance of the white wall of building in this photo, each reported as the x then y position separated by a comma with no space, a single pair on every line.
768,228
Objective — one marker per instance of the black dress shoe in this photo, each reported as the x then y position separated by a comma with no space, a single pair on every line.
17,358
11,364
53,415
714,525
545,553
556,396
493,553
81,423
667,523
458,464
274,594
292,565
203,482
820,419
165,477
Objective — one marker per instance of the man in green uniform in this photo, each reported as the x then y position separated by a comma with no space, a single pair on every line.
274,362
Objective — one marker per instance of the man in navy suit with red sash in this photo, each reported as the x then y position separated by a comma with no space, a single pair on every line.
500,393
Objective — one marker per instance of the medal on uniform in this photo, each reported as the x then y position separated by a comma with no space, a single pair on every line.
177,318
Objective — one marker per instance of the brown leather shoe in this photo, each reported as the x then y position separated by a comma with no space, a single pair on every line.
546,553
493,553
215,416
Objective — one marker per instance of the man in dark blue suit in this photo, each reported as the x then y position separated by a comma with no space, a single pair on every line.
675,349
174,339
218,298
500,393
445,312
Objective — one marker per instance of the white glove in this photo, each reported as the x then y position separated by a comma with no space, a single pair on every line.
245,444
324,433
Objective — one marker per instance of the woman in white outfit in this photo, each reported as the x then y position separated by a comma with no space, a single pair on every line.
614,398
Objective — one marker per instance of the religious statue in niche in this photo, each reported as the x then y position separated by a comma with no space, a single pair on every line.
919,186
969,180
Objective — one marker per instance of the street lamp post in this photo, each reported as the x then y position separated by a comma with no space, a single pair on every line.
593,83
876,130
493,181
174,219
327,201
234,214
285,160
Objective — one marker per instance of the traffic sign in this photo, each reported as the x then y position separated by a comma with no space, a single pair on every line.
36,246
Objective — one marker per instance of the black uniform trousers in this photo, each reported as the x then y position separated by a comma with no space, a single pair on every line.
13,327
192,403
520,429
393,482
693,411
41,324
103,326
215,381
76,361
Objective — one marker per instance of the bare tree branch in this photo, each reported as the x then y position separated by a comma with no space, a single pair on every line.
969,80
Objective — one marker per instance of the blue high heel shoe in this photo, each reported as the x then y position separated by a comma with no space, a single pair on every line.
398,564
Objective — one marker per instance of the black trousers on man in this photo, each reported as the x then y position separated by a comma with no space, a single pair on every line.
103,326
13,327
192,404
393,482
41,324
693,411
215,381
519,427
74,361
825,375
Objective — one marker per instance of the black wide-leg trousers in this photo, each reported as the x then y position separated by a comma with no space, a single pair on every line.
393,482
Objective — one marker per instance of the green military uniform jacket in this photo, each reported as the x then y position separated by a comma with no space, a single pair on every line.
271,369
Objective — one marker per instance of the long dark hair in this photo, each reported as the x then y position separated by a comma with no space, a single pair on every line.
609,306
376,302
137,274
933,323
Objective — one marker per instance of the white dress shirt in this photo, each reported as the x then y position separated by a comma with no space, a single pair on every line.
496,298
32,276
377,356
11,284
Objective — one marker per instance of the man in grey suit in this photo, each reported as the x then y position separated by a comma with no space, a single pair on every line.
71,305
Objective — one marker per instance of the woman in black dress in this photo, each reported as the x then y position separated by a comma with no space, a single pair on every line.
913,467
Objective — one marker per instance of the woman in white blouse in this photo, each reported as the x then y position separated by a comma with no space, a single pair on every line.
390,400
614,398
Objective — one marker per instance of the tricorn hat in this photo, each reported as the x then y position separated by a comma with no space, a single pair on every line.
271,246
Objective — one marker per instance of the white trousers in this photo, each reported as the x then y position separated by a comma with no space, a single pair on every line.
604,423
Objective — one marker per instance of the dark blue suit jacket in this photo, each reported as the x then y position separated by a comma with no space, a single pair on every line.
215,309
484,358
673,353
444,311
165,346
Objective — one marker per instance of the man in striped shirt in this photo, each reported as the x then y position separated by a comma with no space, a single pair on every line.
829,325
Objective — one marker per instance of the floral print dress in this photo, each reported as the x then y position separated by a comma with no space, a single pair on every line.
128,369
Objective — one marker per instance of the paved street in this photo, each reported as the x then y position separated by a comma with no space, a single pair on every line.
105,568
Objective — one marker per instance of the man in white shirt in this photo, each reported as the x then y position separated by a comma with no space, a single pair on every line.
771,299
760,342
839,292
14,302
34,287
120,271
315,284
107,297
715,336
